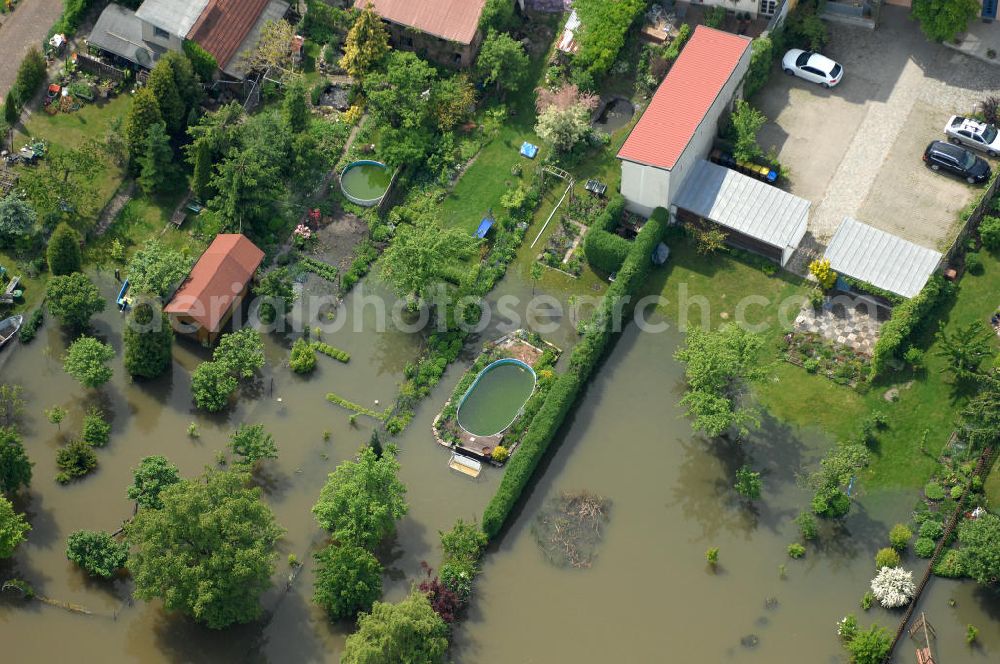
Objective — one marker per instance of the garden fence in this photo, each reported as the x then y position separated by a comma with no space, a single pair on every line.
957,249
981,465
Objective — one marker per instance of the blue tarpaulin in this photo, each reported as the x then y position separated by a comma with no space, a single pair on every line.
484,227
528,150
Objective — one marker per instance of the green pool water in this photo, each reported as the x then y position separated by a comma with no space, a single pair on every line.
496,397
365,180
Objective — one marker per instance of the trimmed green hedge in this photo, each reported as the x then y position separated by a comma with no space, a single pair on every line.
72,16
906,318
330,351
566,388
605,251
607,220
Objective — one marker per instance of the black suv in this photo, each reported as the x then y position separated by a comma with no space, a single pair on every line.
941,156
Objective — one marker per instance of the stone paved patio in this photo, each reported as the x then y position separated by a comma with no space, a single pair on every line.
845,320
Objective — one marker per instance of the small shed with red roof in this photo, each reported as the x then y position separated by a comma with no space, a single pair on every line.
216,286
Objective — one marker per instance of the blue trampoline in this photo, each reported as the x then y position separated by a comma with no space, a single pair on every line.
528,150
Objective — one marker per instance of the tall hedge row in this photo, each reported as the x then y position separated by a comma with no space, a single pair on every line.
608,219
30,76
606,252
583,359
73,14
906,318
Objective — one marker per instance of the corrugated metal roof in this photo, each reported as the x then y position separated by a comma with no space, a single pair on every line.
743,204
174,16
453,20
216,279
223,25
237,65
681,102
118,30
882,259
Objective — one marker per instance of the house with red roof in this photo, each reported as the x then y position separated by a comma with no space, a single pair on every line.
664,159
445,31
215,287
225,28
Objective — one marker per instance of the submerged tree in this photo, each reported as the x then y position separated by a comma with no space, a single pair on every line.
153,475
410,631
148,340
348,580
748,483
251,443
87,360
73,299
719,364
15,468
96,552
208,552
13,528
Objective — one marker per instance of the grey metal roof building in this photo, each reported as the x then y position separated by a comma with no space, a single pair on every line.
174,16
119,31
747,206
882,259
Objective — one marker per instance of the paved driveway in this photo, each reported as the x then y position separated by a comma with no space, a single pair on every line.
26,27
856,150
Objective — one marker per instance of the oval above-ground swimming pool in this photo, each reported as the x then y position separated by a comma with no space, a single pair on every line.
365,182
495,398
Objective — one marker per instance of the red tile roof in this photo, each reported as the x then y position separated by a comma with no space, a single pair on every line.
683,99
223,25
453,20
216,279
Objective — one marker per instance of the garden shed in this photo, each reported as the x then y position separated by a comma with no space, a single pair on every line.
881,259
755,216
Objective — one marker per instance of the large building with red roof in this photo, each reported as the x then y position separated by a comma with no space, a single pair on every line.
446,31
225,28
216,286
682,120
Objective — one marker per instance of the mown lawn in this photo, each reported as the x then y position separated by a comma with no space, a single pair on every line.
922,416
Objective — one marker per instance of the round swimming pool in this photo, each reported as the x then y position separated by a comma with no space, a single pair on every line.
365,182
496,397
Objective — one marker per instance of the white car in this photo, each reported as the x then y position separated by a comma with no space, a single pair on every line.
974,134
813,67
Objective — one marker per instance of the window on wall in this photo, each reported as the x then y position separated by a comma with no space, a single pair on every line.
456,58
161,33
768,7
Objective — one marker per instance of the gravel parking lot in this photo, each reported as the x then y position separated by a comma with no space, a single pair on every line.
856,150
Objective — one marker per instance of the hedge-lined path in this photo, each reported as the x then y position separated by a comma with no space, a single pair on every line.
26,27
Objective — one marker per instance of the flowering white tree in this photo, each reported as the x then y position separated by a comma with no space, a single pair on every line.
564,115
893,587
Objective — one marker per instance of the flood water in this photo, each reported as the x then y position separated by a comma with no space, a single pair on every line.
647,598
495,399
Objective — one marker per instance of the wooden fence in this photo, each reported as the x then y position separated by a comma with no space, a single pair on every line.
982,465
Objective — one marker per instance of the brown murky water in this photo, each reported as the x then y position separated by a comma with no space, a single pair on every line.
648,597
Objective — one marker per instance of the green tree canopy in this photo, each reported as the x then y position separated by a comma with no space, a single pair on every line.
979,420
718,364
366,45
421,255
17,218
153,475
251,443
409,632
748,483
363,499
208,552
869,646
87,360
348,580
143,114
156,269
62,187
602,32
97,552
148,340
240,352
15,468
63,253
73,299
451,100
979,553
275,285
168,100
13,528
395,96
943,20
746,122
246,185
294,107
156,162
502,62
965,349
211,386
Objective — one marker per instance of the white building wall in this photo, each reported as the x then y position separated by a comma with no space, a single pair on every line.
738,6
170,41
787,252
645,188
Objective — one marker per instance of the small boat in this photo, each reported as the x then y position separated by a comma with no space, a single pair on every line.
9,327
